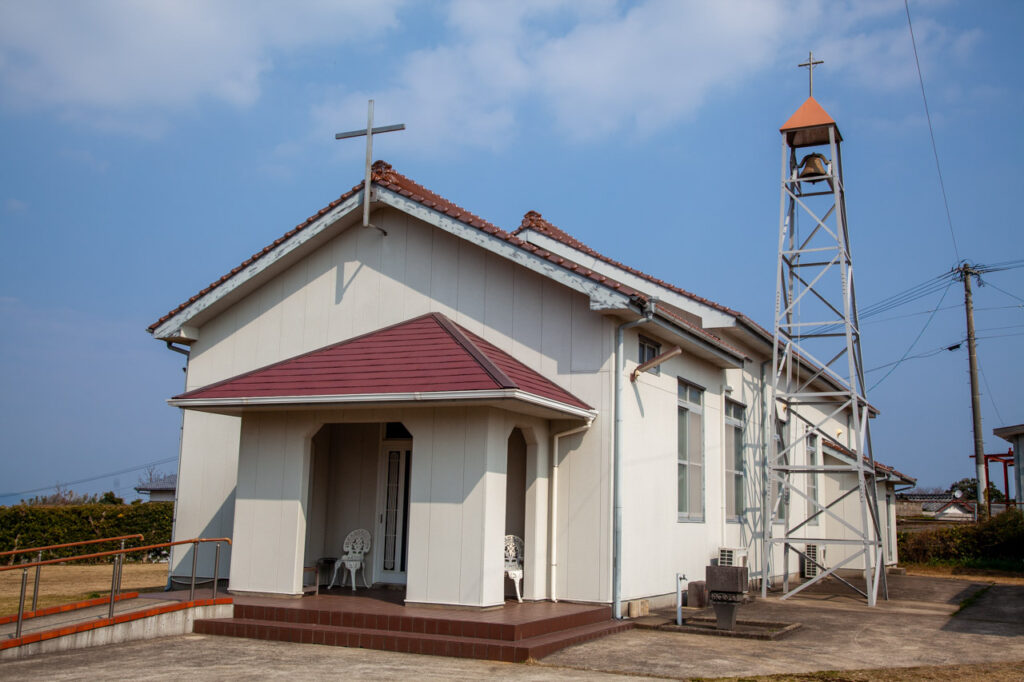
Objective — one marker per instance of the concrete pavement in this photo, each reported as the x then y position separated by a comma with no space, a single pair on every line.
840,632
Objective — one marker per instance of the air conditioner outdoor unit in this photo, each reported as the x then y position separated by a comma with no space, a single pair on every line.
809,569
732,556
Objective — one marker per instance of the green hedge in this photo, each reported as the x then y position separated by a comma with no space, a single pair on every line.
999,539
24,526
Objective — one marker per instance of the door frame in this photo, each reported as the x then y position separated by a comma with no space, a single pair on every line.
404,447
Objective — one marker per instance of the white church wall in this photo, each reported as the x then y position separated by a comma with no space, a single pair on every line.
361,281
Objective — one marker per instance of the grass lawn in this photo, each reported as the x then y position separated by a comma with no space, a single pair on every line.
69,583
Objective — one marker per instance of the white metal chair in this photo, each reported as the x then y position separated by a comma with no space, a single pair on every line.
356,547
514,562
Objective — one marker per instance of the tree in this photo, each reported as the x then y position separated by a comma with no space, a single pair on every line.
60,497
110,498
969,488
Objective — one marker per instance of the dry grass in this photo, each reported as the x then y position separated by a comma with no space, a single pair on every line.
992,672
982,574
62,584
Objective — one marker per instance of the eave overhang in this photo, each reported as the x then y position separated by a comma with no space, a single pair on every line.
514,400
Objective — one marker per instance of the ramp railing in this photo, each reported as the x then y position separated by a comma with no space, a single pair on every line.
117,566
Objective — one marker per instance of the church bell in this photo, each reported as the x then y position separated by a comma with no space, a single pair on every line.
813,165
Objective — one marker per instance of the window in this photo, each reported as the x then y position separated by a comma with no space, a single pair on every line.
648,351
734,499
781,499
690,488
813,459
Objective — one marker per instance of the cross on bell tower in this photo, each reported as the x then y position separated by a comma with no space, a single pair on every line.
810,64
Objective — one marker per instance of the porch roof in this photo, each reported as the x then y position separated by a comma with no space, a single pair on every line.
427,358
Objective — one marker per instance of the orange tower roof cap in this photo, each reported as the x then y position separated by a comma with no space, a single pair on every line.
809,115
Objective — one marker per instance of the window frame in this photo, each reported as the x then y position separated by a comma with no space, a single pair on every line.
685,461
648,349
781,432
813,491
734,463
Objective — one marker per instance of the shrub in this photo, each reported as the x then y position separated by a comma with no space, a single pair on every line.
999,539
24,526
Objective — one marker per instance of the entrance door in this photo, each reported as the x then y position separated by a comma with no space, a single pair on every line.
392,513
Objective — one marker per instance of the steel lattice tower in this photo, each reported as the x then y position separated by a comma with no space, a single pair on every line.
817,376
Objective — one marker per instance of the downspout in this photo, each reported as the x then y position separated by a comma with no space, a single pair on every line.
620,368
767,427
553,508
181,443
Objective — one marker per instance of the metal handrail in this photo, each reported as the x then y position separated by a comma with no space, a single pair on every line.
39,555
10,552
115,578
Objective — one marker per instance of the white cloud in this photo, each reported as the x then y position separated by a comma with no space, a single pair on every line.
105,59
600,69
13,205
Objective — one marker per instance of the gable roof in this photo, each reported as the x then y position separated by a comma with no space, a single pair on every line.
385,176
394,184
428,357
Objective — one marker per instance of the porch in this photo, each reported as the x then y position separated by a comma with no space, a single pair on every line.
377,619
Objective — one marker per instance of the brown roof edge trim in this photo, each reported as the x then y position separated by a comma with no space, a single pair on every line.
485,362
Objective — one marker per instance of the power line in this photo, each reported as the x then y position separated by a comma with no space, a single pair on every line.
931,132
916,338
93,478
988,389
923,354
1014,296
948,307
999,336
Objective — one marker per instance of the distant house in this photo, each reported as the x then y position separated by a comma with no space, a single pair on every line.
920,504
159,489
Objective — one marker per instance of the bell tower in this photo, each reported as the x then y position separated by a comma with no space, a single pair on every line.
819,504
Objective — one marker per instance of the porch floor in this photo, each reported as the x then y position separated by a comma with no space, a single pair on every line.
378,619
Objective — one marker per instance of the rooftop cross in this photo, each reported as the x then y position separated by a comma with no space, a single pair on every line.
810,64
369,133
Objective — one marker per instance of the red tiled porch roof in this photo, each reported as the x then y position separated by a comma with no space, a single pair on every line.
427,354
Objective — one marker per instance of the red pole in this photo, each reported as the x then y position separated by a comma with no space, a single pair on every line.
1006,481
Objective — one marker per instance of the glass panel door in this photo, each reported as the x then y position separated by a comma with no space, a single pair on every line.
392,508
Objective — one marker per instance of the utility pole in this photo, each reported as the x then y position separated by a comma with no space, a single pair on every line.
966,272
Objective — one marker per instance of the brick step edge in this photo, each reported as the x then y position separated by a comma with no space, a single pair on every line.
409,642
421,624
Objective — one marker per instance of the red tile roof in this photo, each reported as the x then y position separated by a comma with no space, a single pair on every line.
878,465
534,221
385,176
427,354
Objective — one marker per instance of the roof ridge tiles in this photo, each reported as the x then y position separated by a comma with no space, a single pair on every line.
533,220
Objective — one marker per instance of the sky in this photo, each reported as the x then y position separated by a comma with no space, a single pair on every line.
146,148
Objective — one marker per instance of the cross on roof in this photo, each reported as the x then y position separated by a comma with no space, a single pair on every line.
810,64
369,133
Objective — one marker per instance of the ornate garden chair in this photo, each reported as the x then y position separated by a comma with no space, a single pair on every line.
514,562
356,547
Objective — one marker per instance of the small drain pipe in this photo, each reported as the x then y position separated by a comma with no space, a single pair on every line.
620,368
553,508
